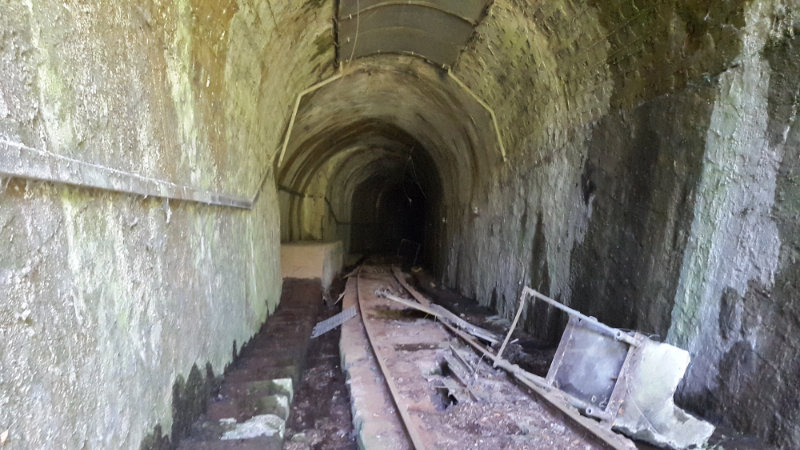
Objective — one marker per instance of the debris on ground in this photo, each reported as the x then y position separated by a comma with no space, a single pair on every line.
321,417
443,394
598,372
332,322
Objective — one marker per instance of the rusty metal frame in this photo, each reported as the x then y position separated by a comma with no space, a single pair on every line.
633,341
343,73
608,412
414,4
442,52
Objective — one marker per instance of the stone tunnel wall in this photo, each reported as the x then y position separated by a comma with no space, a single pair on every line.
651,183
112,302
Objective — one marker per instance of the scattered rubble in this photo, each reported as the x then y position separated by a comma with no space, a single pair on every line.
648,411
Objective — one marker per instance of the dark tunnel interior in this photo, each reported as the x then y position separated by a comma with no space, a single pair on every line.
386,213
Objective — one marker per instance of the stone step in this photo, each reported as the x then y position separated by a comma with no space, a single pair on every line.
294,330
238,403
256,396
247,407
296,313
278,358
242,410
220,408
275,338
257,362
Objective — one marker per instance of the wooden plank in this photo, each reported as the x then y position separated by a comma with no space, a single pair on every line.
400,276
442,313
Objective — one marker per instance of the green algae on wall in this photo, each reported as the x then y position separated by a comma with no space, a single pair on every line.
672,203
737,313
662,46
107,293
121,319
734,197
643,166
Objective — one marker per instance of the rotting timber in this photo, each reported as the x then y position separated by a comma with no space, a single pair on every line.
442,393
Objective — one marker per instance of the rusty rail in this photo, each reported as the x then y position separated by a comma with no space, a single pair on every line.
416,439
561,401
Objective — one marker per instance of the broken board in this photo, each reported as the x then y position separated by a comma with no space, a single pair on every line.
332,322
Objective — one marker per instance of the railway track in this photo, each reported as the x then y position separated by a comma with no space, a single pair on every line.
442,384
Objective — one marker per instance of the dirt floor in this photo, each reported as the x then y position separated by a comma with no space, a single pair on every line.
535,356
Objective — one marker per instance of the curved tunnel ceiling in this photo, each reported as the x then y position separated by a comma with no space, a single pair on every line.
399,103
393,107
436,30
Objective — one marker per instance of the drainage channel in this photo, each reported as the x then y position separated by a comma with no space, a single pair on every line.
284,390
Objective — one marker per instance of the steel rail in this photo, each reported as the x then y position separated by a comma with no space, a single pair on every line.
416,439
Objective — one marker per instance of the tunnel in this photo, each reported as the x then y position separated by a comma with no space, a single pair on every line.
389,173
386,213
635,161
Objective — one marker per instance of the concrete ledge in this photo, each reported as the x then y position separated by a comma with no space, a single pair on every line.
312,260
